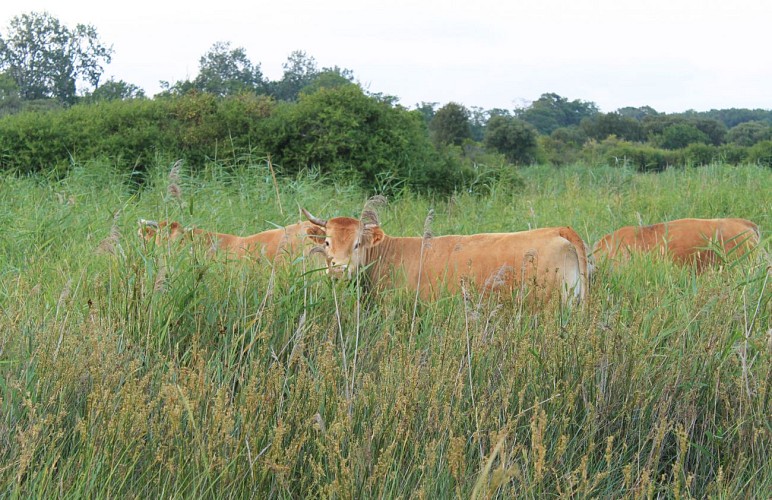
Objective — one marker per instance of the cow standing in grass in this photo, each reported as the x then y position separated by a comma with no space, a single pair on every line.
295,239
542,261
685,241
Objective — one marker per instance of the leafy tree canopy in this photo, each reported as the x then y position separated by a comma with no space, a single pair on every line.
299,71
749,133
427,110
681,135
450,124
603,125
551,111
222,71
112,90
638,113
48,60
329,78
514,138
10,100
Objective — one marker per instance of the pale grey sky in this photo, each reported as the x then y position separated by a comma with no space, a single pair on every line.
672,55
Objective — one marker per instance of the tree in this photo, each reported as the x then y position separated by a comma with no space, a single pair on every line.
343,131
714,129
605,124
113,90
551,111
222,71
515,139
10,100
450,124
427,110
299,71
225,71
681,135
749,133
638,113
329,78
48,60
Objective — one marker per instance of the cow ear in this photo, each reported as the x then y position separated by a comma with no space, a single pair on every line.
315,231
374,234
175,230
147,232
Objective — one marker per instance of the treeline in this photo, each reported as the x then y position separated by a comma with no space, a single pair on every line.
322,119
558,131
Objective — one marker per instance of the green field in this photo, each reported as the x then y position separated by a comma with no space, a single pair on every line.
128,371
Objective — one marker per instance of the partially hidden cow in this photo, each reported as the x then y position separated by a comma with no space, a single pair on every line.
684,241
295,239
544,261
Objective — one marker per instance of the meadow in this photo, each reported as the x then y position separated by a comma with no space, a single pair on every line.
129,370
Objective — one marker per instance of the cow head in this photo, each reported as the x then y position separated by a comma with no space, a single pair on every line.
159,231
346,241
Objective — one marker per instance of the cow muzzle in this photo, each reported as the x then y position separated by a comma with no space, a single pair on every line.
338,271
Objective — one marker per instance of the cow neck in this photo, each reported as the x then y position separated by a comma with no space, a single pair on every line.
390,252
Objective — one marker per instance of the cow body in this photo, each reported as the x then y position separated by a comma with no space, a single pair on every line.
685,241
293,239
541,260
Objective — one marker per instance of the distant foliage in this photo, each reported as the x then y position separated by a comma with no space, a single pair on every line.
451,125
603,125
697,154
552,111
749,133
761,153
681,135
222,71
515,139
683,129
617,153
48,60
731,117
300,69
113,90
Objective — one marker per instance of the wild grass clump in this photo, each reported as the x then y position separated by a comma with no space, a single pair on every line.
130,368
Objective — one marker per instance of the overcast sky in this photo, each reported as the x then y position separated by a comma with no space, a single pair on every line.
672,55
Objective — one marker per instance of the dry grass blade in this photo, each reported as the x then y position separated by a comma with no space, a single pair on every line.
111,244
370,210
428,234
174,173
174,189
425,243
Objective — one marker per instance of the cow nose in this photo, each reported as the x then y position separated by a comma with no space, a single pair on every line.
336,270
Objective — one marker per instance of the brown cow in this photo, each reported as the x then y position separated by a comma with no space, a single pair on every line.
685,241
293,239
488,261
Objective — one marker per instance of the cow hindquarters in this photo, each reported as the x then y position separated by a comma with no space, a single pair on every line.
573,288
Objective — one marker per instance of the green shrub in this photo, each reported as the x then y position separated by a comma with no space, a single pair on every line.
339,131
700,154
681,135
343,132
643,158
761,153
733,154
514,138
749,133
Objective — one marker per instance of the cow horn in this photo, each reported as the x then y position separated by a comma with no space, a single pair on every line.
150,223
318,222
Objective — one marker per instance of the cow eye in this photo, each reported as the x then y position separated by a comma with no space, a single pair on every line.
356,245
326,243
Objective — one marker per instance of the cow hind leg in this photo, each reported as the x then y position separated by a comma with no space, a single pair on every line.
572,286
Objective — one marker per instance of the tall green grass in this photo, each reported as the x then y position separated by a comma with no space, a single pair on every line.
133,370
